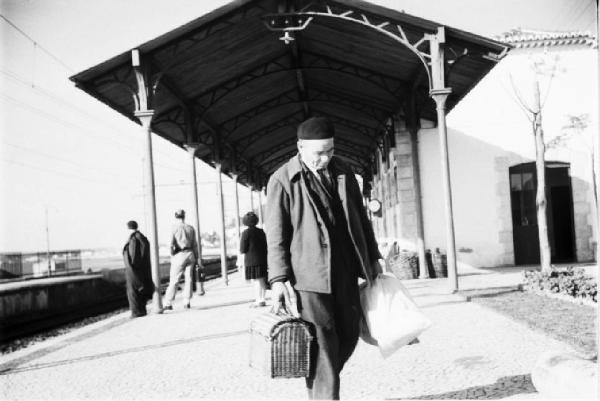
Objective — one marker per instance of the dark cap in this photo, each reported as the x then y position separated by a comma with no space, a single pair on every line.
132,225
180,214
316,128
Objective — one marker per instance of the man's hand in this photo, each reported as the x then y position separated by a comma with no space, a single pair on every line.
284,297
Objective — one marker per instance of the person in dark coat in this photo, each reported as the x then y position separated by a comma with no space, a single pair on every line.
138,276
320,241
253,246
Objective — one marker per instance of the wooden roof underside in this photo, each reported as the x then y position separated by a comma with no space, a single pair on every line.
226,79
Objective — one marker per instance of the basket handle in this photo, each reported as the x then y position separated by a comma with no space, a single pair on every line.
281,309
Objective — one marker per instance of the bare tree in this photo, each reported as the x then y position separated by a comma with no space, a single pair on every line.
541,67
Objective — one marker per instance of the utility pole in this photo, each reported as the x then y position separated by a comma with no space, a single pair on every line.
597,150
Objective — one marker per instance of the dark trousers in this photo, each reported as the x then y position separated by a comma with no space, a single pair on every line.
335,318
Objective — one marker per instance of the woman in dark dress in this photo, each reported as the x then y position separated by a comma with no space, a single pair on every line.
253,246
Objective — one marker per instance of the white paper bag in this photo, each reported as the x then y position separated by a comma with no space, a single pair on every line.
391,316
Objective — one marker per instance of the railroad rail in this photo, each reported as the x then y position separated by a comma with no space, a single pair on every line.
32,325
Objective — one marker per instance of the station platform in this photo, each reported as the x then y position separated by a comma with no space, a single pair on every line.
202,353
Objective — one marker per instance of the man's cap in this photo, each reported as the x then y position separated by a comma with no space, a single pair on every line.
316,128
180,214
132,225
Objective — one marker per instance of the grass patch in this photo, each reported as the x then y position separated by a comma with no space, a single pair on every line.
562,320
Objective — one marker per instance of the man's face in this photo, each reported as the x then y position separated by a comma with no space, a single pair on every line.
316,153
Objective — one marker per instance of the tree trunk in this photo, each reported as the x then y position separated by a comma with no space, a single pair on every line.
540,166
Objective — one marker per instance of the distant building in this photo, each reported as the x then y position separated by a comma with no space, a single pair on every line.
492,161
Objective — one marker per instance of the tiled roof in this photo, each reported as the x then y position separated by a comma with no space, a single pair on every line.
522,38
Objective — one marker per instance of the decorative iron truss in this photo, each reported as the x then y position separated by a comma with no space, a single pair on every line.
392,85
300,20
175,117
369,133
231,125
296,118
376,113
184,43
313,95
289,22
211,97
121,76
292,119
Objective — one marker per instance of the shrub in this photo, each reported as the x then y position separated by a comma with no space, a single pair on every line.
568,281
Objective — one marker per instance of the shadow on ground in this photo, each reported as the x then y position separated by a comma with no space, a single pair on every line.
504,387
12,367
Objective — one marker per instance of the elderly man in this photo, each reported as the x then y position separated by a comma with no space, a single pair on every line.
320,242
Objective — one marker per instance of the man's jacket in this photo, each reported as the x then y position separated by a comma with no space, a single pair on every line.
297,237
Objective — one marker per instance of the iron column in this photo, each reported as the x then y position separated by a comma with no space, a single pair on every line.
191,148
145,117
222,222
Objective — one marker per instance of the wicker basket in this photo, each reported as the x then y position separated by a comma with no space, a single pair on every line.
404,265
280,345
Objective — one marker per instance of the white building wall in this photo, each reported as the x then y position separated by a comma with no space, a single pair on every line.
488,133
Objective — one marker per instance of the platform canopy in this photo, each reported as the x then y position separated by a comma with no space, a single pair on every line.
240,79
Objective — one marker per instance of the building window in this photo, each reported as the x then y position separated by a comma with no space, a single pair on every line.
522,186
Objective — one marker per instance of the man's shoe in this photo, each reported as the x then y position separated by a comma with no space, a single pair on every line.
201,293
168,307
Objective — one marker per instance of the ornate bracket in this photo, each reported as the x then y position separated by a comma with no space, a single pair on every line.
429,56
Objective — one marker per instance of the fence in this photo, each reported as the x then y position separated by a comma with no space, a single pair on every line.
39,264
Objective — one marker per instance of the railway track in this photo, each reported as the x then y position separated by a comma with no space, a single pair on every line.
35,325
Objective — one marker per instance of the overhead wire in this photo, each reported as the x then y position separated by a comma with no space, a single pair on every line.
39,46
63,64
61,173
68,124
113,174
54,97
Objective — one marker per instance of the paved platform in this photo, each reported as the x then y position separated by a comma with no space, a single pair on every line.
202,353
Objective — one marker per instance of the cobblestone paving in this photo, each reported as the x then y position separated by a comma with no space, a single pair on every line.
469,353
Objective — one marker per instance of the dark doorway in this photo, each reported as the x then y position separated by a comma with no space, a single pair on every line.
559,212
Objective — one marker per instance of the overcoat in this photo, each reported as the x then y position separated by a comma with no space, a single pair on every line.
253,245
299,247
136,256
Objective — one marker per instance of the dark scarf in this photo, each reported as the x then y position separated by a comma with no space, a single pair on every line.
325,196
329,205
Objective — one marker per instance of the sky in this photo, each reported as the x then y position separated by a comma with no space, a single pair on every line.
74,166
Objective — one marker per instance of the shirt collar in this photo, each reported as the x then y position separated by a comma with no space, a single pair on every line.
295,166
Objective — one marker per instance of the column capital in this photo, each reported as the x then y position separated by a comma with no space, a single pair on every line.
441,92
145,117
143,113
191,148
440,96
